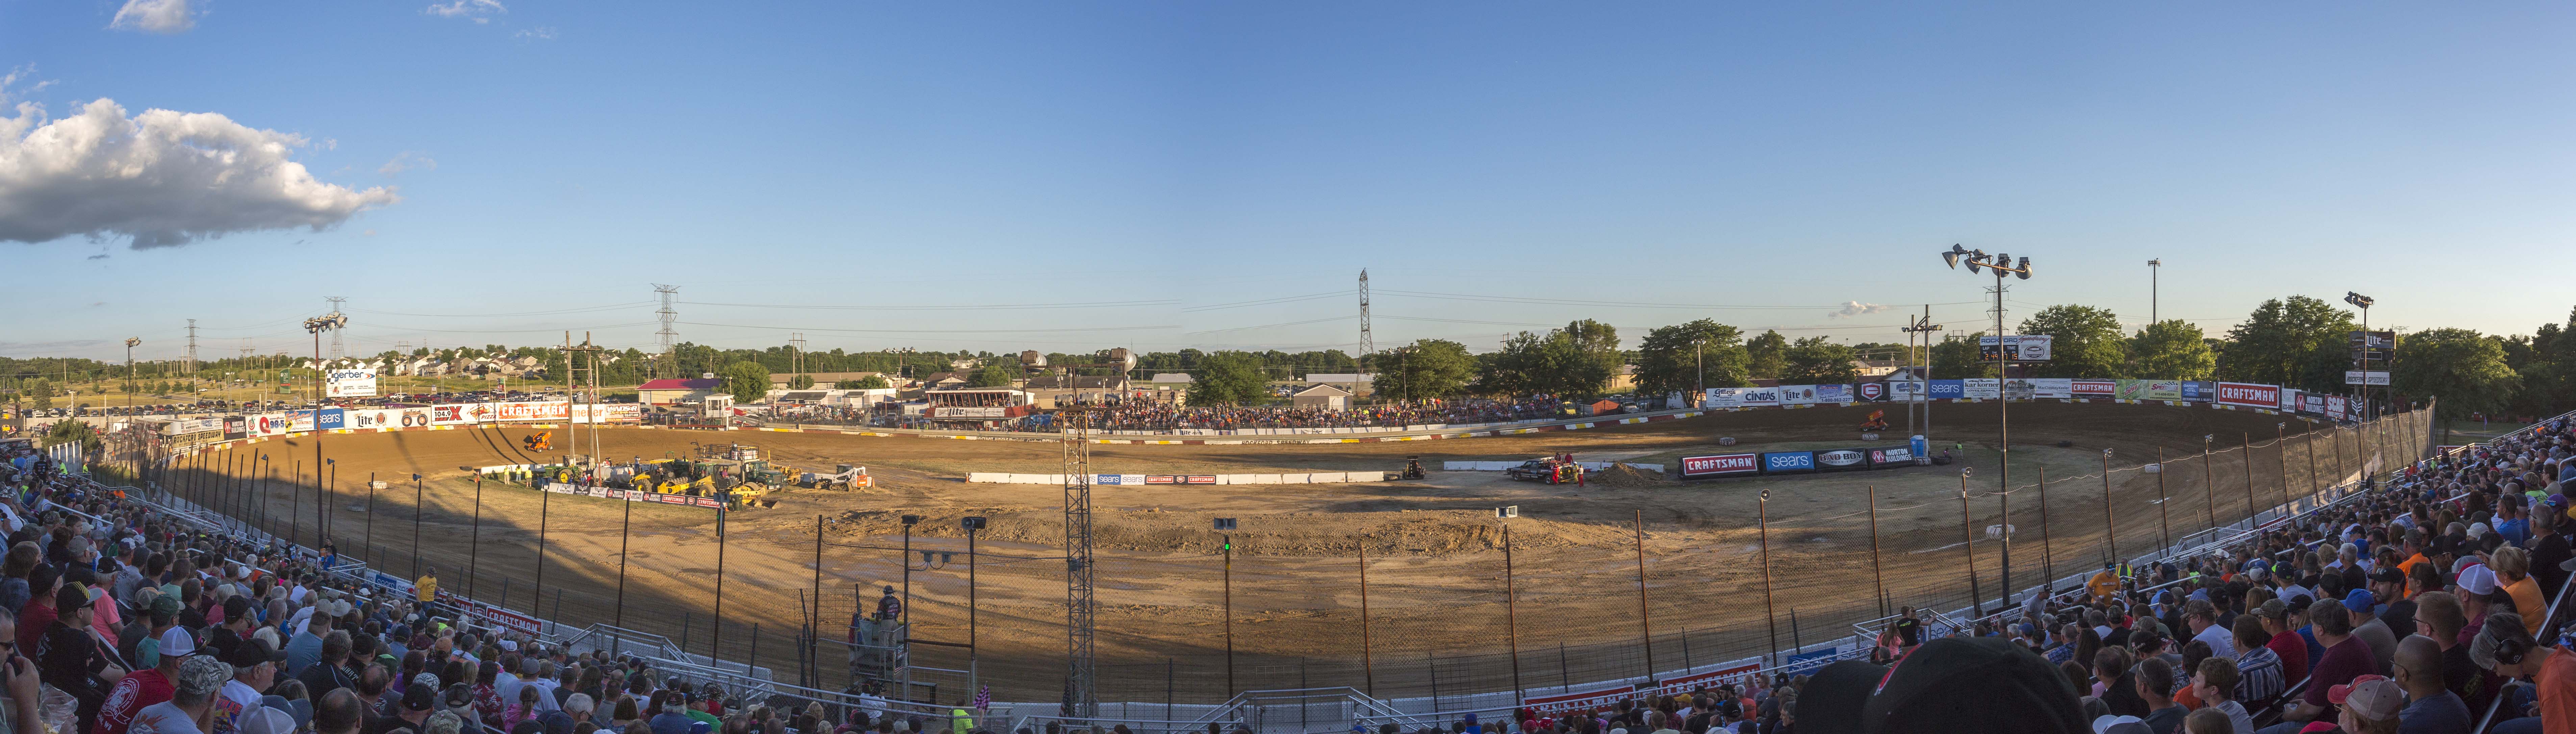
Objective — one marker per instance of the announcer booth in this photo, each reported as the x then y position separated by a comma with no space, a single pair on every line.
975,408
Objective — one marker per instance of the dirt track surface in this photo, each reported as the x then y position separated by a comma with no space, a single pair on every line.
1435,559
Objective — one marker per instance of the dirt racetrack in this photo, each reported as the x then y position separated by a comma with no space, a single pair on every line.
1438,620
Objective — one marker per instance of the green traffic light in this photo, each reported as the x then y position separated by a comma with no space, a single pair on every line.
1225,546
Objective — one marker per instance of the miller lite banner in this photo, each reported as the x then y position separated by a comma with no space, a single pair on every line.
1695,467
2249,395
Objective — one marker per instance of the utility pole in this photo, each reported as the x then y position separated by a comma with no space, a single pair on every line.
129,370
1368,342
2155,269
796,354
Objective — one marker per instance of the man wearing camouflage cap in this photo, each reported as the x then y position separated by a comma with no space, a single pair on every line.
192,702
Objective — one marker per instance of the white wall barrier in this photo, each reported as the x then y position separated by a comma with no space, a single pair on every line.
1126,480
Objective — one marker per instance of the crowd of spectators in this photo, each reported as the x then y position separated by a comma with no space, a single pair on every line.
117,619
1152,415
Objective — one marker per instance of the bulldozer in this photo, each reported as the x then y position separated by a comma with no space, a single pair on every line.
849,477
542,441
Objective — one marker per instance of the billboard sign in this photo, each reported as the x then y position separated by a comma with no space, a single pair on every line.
448,414
2199,391
1798,395
2051,387
1833,394
1870,392
1883,458
2130,389
350,382
2335,407
2093,388
2164,389
1982,388
1842,460
1741,397
2290,399
2249,395
236,427
2312,403
1947,389
331,419
1788,462
1907,390
2376,346
1583,701
1694,467
2376,377
2022,348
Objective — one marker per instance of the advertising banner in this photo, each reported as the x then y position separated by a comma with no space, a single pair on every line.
1694,467
1981,388
2312,403
331,419
2336,407
2164,389
2355,377
2290,399
2249,395
1584,701
236,428
962,411
268,424
2376,346
1833,394
1907,390
1789,462
1870,392
2051,387
2093,388
1742,397
1883,458
1696,681
1842,460
1948,389
2131,389
350,382
448,414
1798,395
2024,348
2199,391
376,418
193,425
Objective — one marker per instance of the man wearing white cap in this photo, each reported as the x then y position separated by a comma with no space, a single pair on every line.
2475,585
151,686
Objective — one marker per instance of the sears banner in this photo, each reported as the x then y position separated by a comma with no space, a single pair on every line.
1798,395
1741,397
1789,462
2199,391
331,419
350,382
1833,394
1948,389
1982,388
2336,407
2249,395
2093,388
1694,467
1884,458
1842,460
1871,392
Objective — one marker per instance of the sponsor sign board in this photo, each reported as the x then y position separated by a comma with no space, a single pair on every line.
1742,397
1583,701
2249,394
1880,458
350,382
1696,681
1870,392
2199,391
1798,395
1199,479
236,427
2377,346
2130,389
2374,377
1842,460
1907,390
2164,390
2020,348
375,418
2312,403
448,414
1788,462
2290,399
1981,388
956,411
192,425
1720,465
1833,393
2093,388
331,419
2336,407
2051,387
1947,389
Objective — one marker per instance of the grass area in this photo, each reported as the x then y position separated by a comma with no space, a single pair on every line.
296,391
2464,430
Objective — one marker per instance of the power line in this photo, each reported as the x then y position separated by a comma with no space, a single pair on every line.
556,312
936,331
979,307
1266,301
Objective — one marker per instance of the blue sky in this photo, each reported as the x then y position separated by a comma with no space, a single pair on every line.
523,157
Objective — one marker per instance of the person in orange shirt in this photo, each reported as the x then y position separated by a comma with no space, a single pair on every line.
2414,548
2508,652
2513,567
2105,584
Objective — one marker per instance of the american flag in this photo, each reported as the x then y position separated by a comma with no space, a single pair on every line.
983,698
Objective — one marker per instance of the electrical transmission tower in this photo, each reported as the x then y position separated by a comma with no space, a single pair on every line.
796,357
337,348
669,337
1368,342
192,346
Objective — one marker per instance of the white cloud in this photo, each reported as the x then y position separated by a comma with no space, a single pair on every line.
467,9
154,16
539,33
1856,308
162,178
408,160
9,82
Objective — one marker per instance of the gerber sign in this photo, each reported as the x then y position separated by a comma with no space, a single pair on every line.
2249,394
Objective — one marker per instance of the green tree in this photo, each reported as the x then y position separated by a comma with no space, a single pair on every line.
800,382
1766,355
70,430
2464,370
992,375
1817,361
2084,341
1957,357
40,393
1673,358
1427,368
1229,378
870,382
1575,361
2172,349
2297,342
748,382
